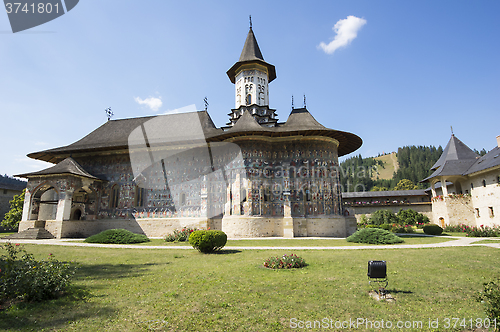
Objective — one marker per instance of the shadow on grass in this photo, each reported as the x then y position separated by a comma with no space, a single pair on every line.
415,236
396,291
226,252
112,271
53,314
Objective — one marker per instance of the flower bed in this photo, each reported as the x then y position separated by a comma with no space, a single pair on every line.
285,262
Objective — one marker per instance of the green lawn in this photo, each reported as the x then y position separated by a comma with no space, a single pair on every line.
280,242
183,290
489,240
5,234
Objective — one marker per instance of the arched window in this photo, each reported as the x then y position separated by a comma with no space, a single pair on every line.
472,186
115,196
139,196
484,183
249,99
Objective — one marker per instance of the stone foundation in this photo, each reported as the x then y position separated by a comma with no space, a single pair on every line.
233,226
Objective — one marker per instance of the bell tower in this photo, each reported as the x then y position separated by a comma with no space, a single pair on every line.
251,76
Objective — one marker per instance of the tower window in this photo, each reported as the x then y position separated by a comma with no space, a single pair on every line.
472,186
484,183
492,214
477,213
183,199
498,179
249,99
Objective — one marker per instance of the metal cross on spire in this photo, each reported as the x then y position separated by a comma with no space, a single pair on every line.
304,100
109,113
451,130
250,16
206,103
292,104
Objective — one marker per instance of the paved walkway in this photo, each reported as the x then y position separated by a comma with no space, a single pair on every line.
456,242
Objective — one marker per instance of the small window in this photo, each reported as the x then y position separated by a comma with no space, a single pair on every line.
484,183
477,213
183,199
472,186
115,196
249,99
492,213
139,196
498,179
5,191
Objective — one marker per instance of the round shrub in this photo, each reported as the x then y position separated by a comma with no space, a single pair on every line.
208,241
374,236
117,236
432,229
285,262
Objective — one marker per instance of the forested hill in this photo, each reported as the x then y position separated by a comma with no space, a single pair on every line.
11,182
361,174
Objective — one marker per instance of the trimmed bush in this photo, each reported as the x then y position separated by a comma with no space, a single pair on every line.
490,296
374,236
208,241
432,229
117,236
285,262
23,277
380,217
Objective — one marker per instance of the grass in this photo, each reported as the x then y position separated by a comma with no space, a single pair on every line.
488,241
4,234
183,290
279,242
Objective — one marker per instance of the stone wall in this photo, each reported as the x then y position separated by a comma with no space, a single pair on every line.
233,226
453,210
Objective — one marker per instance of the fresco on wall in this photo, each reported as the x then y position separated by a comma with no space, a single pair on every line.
306,171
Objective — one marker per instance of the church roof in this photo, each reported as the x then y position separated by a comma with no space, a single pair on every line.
246,123
114,134
300,118
251,50
455,150
299,123
251,54
67,166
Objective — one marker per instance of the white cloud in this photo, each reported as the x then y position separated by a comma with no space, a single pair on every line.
153,103
185,109
346,31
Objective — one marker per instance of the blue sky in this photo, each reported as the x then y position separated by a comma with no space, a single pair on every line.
413,69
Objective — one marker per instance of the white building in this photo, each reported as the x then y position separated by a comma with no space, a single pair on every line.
473,198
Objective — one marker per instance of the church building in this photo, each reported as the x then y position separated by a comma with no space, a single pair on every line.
253,177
